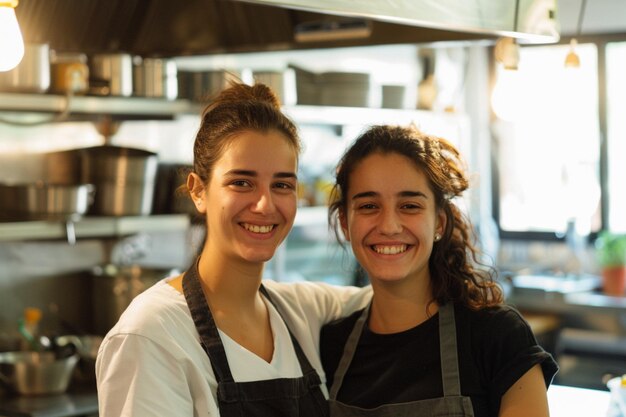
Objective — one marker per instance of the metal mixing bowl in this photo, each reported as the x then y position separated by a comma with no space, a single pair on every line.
36,373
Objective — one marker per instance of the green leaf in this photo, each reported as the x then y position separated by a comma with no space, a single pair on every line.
611,249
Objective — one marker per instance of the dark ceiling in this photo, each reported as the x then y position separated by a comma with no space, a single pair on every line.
189,27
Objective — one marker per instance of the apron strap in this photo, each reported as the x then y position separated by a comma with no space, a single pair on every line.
209,335
205,324
305,365
348,352
448,351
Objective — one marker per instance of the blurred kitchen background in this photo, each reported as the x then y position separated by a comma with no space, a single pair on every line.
116,102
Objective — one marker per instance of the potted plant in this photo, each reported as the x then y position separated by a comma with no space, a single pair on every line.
611,256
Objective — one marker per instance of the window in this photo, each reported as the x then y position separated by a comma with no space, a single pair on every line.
548,151
616,137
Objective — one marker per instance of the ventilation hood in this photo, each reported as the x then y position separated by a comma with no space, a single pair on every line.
197,27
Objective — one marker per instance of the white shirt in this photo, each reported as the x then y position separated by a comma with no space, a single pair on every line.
151,363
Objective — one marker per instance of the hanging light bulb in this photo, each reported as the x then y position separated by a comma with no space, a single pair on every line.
506,52
505,95
11,41
506,98
572,60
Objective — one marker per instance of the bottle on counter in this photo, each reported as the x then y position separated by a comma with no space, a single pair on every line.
28,327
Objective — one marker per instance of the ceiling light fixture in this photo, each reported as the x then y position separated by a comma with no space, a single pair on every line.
506,50
11,41
572,60
505,95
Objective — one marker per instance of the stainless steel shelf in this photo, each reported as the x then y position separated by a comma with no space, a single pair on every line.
92,227
130,106
365,116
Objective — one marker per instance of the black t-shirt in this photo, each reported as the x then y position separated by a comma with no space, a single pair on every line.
495,348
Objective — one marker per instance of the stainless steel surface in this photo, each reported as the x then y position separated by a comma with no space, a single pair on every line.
124,179
75,402
166,28
114,287
62,167
123,200
93,227
202,85
33,72
44,201
155,77
115,69
134,106
535,20
36,373
87,348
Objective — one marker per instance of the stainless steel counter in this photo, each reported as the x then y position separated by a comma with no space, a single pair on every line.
76,402
563,401
569,401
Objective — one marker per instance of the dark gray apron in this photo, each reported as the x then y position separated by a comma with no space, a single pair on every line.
451,404
282,397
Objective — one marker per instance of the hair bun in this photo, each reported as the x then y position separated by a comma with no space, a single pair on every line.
238,92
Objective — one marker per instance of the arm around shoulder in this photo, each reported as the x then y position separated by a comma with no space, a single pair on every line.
327,302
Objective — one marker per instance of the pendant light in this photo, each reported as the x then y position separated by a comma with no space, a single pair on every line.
506,50
572,60
505,95
11,41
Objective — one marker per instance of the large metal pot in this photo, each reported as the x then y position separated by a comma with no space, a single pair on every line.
36,373
41,200
114,69
124,179
155,77
32,75
114,287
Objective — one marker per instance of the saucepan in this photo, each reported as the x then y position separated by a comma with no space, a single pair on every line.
45,201
87,348
36,373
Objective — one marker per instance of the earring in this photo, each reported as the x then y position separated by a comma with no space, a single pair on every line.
437,237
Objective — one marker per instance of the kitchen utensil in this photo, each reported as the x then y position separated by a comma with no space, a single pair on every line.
36,373
200,86
124,179
116,69
273,79
115,287
87,348
155,77
41,200
70,73
62,167
32,75
393,96
168,195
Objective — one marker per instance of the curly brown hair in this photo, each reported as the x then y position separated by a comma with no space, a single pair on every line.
457,273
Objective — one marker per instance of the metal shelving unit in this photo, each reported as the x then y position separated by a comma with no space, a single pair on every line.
132,107
92,227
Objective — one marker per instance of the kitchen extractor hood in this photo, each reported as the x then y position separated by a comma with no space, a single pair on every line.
196,27
528,20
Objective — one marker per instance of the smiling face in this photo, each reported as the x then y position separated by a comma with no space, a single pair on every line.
391,218
250,199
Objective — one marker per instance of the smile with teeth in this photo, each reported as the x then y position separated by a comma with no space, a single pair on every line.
389,250
258,229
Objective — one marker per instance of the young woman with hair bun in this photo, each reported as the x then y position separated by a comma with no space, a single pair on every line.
218,340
